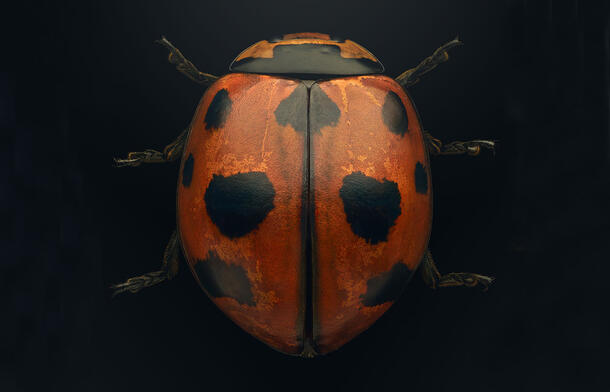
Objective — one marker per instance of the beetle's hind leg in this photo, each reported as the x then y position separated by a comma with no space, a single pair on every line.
440,55
184,66
171,152
470,147
169,269
433,278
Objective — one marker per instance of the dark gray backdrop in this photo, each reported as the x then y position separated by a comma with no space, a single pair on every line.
83,82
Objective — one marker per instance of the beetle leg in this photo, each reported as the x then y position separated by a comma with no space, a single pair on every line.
433,278
169,269
184,66
471,147
171,152
440,55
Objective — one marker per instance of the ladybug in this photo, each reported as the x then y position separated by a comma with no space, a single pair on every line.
304,201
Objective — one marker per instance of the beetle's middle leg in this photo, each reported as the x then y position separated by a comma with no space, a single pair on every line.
433,278
470,147
170,153
169,269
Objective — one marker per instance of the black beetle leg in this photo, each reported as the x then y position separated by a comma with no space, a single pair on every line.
184,66
470,147
433,278
171,152
169,269
440,55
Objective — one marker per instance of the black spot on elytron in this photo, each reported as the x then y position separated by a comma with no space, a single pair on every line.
308,59
421,179
187,171
394,114
293,109
219,109
221,279
238,203
386,286
322,110
371,206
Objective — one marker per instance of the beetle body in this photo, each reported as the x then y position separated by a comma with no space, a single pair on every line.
304,197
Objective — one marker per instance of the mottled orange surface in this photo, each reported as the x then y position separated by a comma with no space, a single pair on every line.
273,253
251,140
343,261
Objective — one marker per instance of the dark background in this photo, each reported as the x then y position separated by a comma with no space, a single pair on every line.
82,83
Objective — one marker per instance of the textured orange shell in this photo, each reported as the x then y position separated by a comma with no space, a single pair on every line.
303,143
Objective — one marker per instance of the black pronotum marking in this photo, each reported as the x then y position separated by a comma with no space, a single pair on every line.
307,59
221,279
238,203
386,286
219,109
421,179
187,171
394,114
293,109
371,206
322,110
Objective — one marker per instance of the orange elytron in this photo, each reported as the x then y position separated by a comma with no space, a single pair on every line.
304,197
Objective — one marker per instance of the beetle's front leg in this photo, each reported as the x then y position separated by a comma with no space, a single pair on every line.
171,152
470,147
169,269
440,55
433,278
184,66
